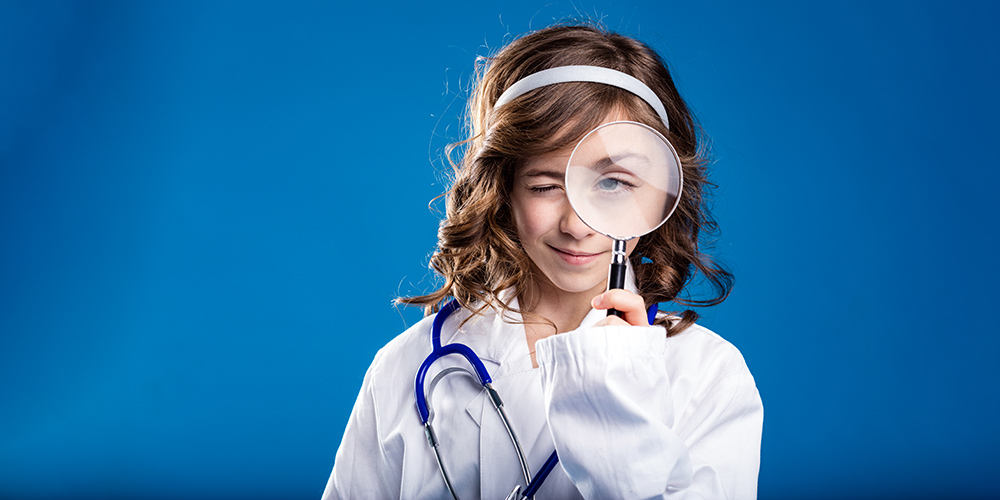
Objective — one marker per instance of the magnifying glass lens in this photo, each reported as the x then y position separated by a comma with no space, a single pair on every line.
623,179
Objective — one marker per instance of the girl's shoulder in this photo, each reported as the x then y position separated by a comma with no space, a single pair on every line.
408,348
400,358
702,337
705,354
390,380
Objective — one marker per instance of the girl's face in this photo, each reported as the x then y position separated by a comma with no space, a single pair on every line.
570,255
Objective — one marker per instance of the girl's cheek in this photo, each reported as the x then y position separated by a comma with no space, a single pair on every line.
536,216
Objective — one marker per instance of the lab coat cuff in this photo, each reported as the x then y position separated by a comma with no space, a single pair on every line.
611,342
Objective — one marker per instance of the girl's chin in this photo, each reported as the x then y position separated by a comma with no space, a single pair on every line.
580,286
558,280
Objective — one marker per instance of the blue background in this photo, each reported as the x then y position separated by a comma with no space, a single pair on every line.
207,207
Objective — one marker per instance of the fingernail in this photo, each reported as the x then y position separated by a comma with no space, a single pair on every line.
596,302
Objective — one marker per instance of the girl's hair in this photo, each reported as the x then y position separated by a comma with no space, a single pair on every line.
479,254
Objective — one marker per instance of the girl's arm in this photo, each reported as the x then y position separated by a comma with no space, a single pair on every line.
361,469
625,429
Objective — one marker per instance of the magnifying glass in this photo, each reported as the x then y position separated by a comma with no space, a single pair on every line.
623,180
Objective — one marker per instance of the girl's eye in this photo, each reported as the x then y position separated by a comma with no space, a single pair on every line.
614,185
608,184
542,189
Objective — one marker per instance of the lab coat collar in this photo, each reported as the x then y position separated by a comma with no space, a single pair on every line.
498,336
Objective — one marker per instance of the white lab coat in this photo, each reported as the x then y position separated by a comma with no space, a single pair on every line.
632,413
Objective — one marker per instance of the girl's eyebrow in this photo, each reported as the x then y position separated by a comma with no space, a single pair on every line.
608,161
553,174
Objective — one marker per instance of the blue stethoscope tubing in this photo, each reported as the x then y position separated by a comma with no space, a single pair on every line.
439,351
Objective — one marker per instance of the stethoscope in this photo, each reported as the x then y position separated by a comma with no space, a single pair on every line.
423,399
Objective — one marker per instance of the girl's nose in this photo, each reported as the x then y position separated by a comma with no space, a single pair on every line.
571,224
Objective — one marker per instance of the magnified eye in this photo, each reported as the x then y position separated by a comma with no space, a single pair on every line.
613,185
608,184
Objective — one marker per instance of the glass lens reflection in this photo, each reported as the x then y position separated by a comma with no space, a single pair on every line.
623,179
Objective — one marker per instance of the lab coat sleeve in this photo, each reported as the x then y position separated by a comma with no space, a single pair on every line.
620,431
361,469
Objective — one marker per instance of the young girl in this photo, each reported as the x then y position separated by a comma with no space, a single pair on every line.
633,410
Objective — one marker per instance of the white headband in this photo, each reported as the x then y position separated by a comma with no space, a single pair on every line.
593,74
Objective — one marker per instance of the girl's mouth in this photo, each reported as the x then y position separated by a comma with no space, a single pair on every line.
576,257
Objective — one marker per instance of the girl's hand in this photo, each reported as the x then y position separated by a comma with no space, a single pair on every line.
632,306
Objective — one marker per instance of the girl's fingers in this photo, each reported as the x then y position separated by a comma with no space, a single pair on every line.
632,306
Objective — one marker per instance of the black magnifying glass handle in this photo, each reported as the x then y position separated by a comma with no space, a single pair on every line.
616,275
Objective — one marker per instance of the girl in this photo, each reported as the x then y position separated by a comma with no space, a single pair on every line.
633,410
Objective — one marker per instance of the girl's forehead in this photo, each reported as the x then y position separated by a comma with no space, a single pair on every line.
574,130
545,165
561,145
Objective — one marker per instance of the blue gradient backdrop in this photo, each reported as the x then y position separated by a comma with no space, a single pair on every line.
206,208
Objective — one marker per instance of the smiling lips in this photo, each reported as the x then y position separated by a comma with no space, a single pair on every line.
576,258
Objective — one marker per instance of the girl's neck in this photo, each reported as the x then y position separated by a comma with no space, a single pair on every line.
563,308
549,303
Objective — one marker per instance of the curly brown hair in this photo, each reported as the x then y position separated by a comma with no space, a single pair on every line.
478,252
